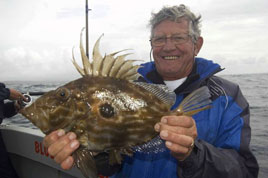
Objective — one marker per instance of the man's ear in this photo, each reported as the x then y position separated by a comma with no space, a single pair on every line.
198,45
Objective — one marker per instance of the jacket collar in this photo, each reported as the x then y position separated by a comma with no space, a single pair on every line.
202,70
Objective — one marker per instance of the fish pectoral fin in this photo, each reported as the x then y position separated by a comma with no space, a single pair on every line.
195,102
85,162
115,157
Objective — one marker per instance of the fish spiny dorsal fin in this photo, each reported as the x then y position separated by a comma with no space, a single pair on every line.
113,54
107,66
108,62
133,77
85,60
97,58
119,61
78,68
160,91
131,72
126,66
195,102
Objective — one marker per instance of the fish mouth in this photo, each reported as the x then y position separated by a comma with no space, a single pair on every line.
38,117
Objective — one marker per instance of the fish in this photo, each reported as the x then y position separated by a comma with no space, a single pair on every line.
108,109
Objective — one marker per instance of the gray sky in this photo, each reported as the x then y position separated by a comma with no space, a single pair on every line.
37,36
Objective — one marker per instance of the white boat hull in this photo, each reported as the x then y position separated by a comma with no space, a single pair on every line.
29,157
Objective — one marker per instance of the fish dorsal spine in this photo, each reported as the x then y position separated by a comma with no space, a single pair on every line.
111,65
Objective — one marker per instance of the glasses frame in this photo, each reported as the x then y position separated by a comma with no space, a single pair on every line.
171,39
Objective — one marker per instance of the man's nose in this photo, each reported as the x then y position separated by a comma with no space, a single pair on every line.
169,45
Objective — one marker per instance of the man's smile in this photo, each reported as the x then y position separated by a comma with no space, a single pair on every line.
170,57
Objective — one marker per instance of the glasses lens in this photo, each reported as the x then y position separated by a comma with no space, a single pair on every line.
175,39
158,41
179,39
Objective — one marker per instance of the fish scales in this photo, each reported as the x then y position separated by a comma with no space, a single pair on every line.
113,131
107,110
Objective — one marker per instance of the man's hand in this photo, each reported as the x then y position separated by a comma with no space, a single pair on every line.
179,132
61,146
16,95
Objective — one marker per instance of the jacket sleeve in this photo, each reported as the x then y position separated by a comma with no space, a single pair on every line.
6,109
4,92
207,161
225,158
9,109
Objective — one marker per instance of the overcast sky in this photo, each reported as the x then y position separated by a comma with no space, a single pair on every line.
37,36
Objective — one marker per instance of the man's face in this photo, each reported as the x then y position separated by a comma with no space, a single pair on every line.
174,61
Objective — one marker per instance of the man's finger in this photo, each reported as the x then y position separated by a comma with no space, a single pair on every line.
53,137
67,163
66,151
183,121
56,147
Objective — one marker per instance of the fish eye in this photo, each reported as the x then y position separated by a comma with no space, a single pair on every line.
63,93
106,110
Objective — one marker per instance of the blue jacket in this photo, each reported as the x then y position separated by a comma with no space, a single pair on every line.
222,147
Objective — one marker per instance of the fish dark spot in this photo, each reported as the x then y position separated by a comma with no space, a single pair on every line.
106,110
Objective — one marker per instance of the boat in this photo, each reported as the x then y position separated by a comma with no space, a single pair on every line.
29,156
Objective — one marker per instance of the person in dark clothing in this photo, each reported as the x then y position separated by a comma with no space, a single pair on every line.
212,143
8,109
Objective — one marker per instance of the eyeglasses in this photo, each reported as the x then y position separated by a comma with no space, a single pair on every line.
177,39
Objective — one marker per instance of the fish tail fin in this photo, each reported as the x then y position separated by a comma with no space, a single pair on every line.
85,162
195,102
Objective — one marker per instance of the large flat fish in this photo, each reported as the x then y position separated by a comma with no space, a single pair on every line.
107,109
